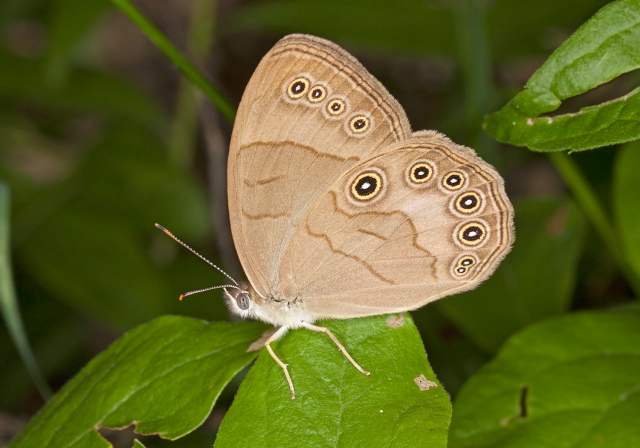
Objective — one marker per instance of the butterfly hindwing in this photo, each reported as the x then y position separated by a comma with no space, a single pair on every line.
424,219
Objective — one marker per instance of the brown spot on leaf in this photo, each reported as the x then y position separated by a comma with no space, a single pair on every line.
423,383
395,321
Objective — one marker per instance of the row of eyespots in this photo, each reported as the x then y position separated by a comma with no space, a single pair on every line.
465,204
462,266
368,186
423,171
336,106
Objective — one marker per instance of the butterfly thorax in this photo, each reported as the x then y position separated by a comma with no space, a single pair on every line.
279,311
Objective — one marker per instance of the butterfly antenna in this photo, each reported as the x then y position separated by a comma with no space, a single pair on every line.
182,296
178,240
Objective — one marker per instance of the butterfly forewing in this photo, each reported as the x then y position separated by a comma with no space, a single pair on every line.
310,113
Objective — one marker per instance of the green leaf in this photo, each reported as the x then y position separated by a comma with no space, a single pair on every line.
605,47
451,352
336,405
163,376
626,197
549,240
570,381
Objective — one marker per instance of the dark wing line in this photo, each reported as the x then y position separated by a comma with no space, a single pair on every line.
263,181
359,259
353,257
260,216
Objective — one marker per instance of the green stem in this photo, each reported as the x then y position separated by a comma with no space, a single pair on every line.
475,62
9,303
161,41
594,212
185,120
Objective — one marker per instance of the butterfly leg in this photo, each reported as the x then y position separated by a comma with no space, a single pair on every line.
275,336
340,346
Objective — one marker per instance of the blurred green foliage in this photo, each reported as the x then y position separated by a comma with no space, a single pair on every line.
90,112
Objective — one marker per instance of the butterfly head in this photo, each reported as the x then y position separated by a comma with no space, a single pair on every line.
244,301
241,301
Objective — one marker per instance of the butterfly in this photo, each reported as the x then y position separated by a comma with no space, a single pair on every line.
338,210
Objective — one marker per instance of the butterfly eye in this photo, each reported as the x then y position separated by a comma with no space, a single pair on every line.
366,186
453,180
243,300
472,234
420,173
298,87
317,94
468,203
336,107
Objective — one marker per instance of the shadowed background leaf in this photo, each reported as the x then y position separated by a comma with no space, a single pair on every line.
550,234
569,381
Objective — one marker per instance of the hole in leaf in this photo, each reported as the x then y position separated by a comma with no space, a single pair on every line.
524,391
522,408
124,437
609,91
119,437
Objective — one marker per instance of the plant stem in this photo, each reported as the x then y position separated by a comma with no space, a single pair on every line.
589,204
9,303
475,61
185,120
161,41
